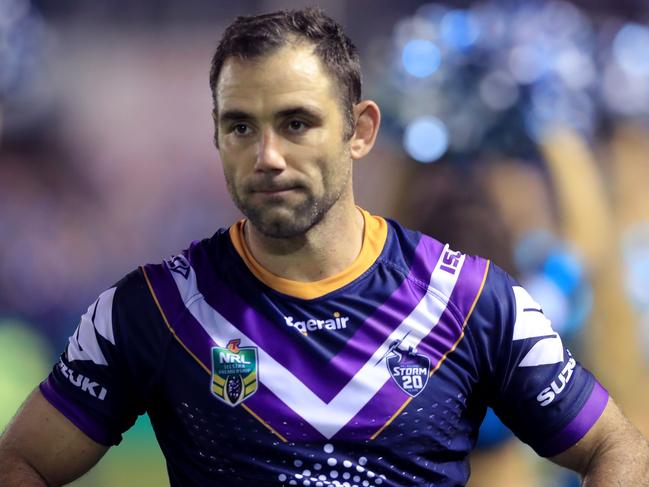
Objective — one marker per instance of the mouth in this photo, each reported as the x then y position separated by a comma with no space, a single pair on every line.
275,190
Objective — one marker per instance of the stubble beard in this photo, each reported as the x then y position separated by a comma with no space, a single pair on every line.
291,220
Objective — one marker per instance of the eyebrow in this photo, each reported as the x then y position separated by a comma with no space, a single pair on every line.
308,112
300,111
231,115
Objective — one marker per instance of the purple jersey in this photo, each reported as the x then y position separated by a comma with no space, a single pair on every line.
379,375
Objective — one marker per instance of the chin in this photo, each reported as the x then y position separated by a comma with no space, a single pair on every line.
285,221
282,223
281,228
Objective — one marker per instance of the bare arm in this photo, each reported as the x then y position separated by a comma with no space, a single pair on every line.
41,447
613,453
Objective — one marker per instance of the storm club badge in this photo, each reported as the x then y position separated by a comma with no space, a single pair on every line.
234,372
410,370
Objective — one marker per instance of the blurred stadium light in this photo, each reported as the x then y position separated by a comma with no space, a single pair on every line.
459,29
630,49
426,139
421,58
533,65
26,41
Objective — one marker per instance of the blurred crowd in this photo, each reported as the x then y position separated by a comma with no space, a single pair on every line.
514,130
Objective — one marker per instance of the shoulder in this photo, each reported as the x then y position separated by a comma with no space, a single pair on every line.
506,312
214,250
407,250
122,316
489,328
133,304
452,279
130,291
498,297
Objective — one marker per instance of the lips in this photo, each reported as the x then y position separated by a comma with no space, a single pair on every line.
274,188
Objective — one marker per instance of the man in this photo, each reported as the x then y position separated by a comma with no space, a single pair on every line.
312,343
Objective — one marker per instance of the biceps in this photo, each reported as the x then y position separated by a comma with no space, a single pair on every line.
49,442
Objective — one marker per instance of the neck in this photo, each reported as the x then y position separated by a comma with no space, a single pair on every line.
325,250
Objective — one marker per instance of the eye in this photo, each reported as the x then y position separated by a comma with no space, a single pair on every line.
241,129
297,126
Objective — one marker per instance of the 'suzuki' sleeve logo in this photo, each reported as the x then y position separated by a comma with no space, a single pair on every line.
532,323
84,383
547,395
97,321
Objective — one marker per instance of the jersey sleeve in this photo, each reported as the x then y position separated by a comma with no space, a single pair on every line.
534,384
108,372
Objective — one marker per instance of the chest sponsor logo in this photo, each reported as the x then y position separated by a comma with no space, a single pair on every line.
308,324
234,372
410,370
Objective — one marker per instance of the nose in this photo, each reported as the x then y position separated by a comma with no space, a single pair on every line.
269,154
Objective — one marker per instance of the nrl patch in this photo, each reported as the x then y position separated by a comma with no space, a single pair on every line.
410,370
234,372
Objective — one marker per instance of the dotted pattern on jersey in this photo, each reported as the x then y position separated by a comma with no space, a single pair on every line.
342,464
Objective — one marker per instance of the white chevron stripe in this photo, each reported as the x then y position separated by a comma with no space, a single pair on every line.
544,352
529,324
327,418
532,324
83,345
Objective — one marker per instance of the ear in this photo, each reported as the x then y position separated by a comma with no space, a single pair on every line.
368,119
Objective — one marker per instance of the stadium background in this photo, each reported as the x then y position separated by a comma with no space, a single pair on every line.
516,130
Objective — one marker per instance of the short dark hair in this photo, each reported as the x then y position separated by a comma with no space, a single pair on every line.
252,36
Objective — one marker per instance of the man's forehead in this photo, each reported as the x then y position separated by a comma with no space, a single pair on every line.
291,71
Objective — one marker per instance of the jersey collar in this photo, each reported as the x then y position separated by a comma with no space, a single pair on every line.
375,233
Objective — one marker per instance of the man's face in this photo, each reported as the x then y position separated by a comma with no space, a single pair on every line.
281,139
